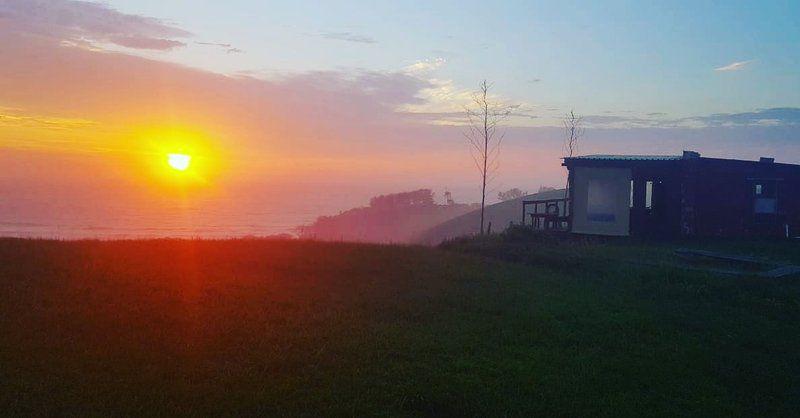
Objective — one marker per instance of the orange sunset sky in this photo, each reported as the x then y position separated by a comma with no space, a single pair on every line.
93,96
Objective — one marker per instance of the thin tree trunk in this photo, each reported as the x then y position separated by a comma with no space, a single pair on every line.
570,136
574,130
485,156
483,120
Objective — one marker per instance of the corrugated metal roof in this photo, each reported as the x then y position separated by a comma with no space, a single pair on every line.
628,157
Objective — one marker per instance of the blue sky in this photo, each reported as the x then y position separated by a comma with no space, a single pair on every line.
621,57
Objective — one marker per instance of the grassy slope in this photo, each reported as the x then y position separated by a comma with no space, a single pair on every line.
499,214
235,327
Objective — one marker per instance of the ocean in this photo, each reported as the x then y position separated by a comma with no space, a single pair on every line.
105,213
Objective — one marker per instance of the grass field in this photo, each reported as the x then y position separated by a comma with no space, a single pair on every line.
497,327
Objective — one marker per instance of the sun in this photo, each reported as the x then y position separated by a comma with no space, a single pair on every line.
179,162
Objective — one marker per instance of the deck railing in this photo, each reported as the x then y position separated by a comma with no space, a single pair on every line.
547,214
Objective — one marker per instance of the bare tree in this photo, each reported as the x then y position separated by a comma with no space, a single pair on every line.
484,116
573,131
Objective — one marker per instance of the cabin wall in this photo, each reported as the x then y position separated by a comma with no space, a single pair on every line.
696,196
725,198
662,219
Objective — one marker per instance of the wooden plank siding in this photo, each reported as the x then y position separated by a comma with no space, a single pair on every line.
699,196
725,198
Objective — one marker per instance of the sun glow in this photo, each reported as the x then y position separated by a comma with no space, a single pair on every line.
179,159
179,162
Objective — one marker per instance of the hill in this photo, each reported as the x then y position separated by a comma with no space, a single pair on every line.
499,214
392,218
291,327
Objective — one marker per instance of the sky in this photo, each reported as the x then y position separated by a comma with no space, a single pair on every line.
642,57
369,95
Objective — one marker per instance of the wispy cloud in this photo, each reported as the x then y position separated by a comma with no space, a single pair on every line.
83,23
348,37
424,66
221,45
734,66
442,102
140,42
230,49
778,116
16,117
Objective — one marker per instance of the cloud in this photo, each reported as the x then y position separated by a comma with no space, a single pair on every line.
426,65
442,101
10,117
221,45
348,37
145,43
607,121
312,126
229,49
443,97
778,116
84,23
734,66
319,111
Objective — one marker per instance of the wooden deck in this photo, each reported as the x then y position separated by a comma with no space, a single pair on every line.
551,214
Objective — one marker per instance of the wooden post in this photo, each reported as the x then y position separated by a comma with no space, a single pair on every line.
523,212
571,198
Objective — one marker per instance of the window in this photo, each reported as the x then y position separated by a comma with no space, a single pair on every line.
600,205
631,204
766,201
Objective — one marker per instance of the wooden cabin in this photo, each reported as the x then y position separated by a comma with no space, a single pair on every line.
672,196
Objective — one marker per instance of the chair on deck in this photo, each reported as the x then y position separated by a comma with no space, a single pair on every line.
551,216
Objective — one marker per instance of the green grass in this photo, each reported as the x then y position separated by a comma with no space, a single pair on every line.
499,327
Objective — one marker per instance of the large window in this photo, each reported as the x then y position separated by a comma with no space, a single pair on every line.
602,196
601,202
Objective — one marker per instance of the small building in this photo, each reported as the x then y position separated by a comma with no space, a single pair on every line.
681,195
